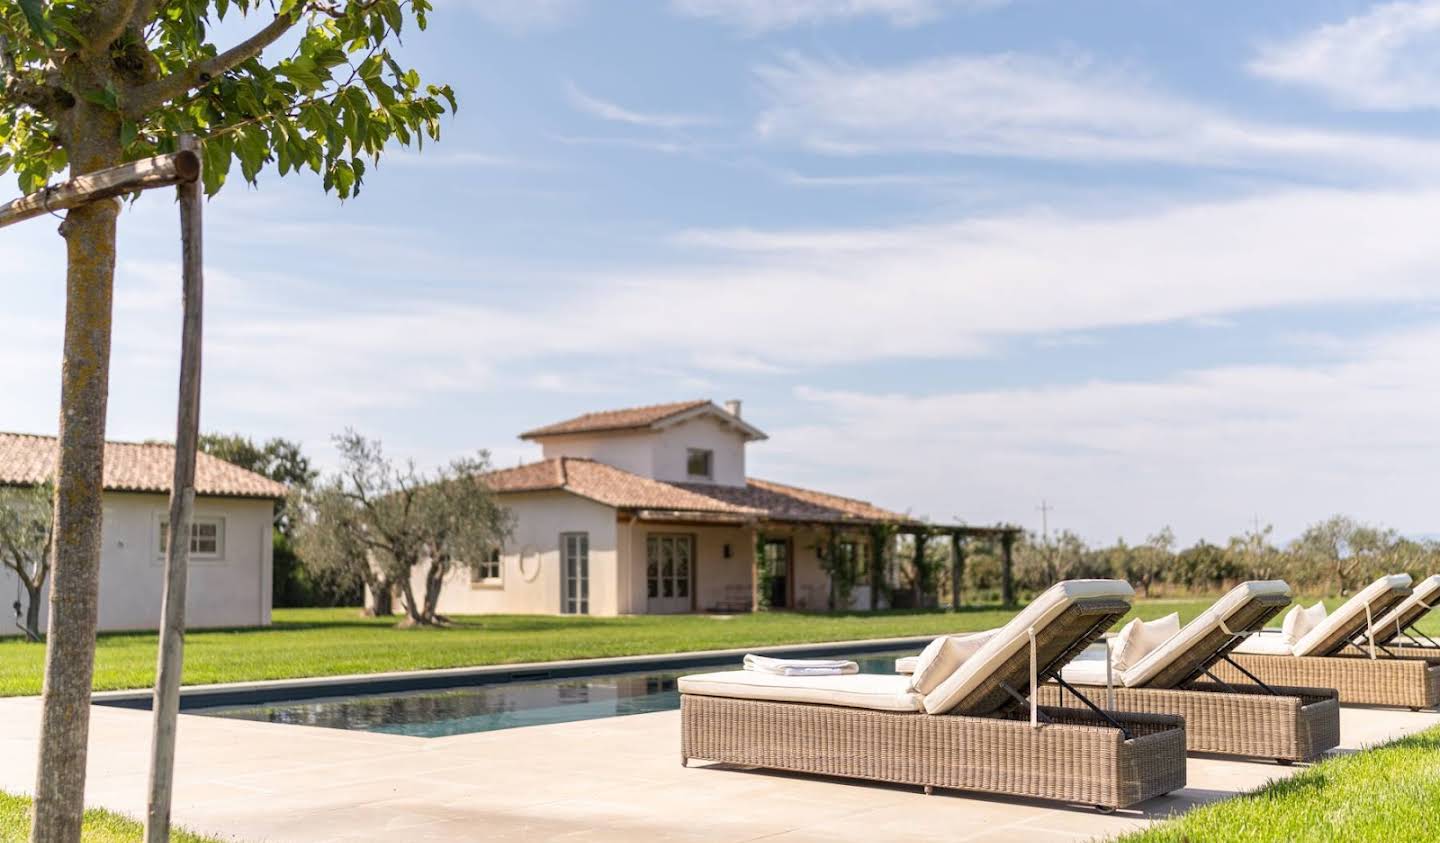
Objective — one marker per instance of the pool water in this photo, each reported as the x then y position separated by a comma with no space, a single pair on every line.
486,708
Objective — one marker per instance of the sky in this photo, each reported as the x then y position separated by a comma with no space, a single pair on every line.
1152,263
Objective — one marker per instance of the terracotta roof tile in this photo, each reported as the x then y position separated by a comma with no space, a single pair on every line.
608,485
780,502
629,418
132,467
615,487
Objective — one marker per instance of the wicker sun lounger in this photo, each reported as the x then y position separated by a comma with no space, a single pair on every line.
1396,635
1250,718
1331,656
980,733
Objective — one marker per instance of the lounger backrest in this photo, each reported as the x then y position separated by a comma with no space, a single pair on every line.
1425,594
1349,621
1066,619
1205,640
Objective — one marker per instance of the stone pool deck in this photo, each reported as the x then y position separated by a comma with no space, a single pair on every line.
615,779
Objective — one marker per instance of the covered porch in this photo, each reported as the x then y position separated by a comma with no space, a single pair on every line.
678,561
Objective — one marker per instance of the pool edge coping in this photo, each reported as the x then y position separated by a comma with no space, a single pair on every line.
269,690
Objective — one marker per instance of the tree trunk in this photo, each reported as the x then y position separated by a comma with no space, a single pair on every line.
32,612
89,233
432,592
407,600
381,598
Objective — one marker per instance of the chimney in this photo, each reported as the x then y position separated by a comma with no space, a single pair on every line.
733,407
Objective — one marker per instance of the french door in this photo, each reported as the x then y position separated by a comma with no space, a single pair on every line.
669,573
575,573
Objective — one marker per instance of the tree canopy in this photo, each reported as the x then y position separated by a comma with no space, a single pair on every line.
336,98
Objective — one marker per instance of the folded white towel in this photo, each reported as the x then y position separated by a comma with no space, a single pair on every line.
800,667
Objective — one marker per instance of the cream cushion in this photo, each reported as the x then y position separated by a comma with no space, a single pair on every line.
1217,616
880,692
1269,642
942,657
1013,636
1139,637
906,664
1299,621
1088,668
1353,611
1425,593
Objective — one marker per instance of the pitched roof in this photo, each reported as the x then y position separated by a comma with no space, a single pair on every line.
780,502
629,418
608,485
759,499
26,459
640,418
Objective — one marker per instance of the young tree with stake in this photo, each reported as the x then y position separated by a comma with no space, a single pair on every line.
90,84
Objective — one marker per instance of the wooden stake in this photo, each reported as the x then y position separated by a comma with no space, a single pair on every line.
181,167
166,705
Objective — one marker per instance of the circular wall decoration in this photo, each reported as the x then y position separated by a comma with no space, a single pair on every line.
529,563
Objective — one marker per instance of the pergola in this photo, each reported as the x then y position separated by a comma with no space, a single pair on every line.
921,533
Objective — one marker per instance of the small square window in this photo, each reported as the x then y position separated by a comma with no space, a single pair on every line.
207,538
700,462
487,570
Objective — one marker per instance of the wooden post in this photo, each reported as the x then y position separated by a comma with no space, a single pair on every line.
757,547
1007,568
877,561
166,704
182,167
957,568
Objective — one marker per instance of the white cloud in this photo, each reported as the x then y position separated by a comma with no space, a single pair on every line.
1012,105
1204,451
606,110
764,15
1386,59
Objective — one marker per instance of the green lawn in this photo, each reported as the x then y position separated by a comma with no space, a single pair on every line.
326,642
1383,794
100,826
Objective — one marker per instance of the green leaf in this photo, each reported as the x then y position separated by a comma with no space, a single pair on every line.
391,11
35,16
128,131
107,97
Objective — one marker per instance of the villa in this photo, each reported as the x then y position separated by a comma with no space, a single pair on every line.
230,542
649,510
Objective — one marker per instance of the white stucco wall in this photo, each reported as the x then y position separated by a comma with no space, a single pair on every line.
233,590
672,445
719,583
661,454
535,587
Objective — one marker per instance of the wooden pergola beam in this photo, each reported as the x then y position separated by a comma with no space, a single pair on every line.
181,167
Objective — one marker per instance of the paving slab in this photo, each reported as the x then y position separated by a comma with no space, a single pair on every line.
616,779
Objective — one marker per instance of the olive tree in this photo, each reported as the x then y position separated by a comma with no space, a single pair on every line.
89,84
26,518
382,523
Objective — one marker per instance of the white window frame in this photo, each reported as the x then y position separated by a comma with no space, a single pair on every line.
162,531
580,604
480,572
709,454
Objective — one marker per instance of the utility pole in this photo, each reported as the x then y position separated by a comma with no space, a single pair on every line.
1045,508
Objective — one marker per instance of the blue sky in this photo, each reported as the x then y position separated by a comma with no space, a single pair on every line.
1156,263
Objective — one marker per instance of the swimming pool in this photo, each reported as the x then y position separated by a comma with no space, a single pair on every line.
436,713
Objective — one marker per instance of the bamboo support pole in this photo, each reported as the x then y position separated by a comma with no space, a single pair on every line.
166,705
181,168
